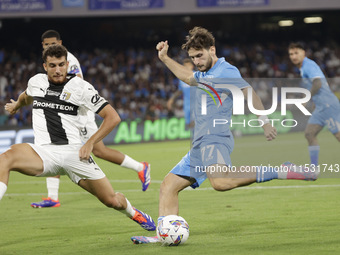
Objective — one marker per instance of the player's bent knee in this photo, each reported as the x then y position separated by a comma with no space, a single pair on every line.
309,135
8,158
113,202
223,185
167,188
163,188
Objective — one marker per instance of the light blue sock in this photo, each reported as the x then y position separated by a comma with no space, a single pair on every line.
314,154
264,174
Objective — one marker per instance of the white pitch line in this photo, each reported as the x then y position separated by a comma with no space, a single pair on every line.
190,189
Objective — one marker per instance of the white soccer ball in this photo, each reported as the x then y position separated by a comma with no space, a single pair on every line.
172,230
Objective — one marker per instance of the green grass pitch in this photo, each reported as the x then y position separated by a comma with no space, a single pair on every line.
277,217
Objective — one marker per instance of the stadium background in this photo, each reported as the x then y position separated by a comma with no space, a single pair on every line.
116,49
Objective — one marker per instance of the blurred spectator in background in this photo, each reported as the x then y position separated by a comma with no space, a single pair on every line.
138,85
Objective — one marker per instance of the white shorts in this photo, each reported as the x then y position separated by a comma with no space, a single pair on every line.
64,160
87,131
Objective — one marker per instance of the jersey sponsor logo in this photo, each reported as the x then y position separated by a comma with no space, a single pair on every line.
60,106
52,93
95,99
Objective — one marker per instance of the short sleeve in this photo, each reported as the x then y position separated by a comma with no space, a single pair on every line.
29,90
311,71
92,100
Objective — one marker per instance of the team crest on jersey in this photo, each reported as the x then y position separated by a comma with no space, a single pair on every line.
65,96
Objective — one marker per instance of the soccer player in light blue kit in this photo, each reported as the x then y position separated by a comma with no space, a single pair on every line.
188,96
212,145
327,106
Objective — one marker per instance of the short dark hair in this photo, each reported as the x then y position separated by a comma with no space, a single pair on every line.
57,51
296,45
50,34
199,38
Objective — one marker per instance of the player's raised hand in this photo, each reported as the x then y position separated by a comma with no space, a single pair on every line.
269,131
162,48
11,107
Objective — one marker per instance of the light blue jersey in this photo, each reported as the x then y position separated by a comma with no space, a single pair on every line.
327,106
211,145
221,73
324,98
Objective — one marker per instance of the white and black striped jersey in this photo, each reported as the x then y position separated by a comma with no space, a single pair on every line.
58,109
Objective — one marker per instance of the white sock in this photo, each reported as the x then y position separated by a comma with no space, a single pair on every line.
129,211
53,187
132,164
3,188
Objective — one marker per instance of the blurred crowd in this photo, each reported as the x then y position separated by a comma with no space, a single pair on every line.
138,85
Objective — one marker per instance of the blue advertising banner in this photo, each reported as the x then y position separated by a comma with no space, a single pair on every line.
124,4
73,3
231,3
25,5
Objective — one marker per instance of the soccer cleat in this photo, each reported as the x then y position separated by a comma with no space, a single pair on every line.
144,239
144,176
144,220
47,202
300,172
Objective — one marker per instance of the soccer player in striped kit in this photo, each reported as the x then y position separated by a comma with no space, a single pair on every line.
52,37
58,100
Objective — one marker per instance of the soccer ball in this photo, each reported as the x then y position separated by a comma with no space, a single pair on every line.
172,230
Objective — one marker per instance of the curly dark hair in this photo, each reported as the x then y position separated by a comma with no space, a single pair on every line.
57,51
199,38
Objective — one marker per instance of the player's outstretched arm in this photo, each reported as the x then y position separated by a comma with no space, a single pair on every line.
110,120
176,68
22,101
269,131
